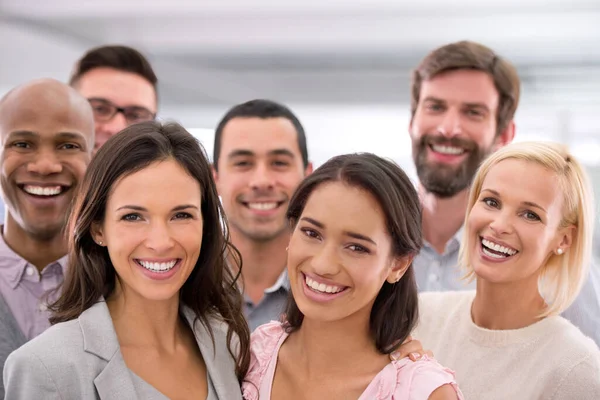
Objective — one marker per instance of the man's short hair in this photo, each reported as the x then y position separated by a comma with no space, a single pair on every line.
263,109
121,58
475,56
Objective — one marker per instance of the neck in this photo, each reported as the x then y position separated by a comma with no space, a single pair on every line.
37,252
442,217
262,262
145,323
331,348
512,305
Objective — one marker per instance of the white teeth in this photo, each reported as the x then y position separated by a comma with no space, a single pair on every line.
262,206
498,248
158,267
43,191
321,287
447,150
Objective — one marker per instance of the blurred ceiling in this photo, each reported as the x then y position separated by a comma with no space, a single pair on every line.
218,52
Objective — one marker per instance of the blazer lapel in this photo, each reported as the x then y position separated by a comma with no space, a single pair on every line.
219,363
99,338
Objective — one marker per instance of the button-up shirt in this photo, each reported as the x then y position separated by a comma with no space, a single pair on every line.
26,291
440,272
271,306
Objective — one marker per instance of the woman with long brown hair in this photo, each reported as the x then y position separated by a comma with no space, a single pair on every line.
148,308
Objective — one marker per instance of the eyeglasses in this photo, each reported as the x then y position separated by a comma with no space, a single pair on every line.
105,110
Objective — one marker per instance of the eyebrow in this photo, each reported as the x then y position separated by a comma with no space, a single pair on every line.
526,203
471,105
250,153
140,208
347,233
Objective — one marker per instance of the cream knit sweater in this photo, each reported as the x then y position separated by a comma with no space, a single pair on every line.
549,360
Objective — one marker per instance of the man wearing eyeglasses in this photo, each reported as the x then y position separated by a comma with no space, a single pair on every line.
121,86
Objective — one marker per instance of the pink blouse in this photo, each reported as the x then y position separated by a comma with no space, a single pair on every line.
399,380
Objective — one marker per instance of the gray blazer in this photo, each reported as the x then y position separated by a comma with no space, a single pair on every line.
81,359
11,337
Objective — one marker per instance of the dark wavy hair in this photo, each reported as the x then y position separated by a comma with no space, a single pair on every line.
395,311
210,290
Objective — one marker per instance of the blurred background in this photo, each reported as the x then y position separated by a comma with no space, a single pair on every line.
342,66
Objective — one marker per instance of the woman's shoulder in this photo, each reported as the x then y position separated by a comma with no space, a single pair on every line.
406,379
264,345
55,342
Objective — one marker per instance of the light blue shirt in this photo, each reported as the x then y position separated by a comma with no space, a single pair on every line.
440,272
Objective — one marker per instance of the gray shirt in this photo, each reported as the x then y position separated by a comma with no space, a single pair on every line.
11,337
440,272
271,306
148,392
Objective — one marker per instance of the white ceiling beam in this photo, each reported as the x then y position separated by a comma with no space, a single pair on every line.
544,33
142,8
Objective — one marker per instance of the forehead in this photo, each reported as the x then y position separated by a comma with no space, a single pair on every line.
359,212
46,117
259,135
120,87
147,185
538,184
462,86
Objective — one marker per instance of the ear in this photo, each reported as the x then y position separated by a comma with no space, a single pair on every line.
565,238
398,268
214,172
506,136
97,234
309,169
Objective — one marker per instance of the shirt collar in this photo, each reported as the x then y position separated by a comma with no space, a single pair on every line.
454,242
282,283
13,266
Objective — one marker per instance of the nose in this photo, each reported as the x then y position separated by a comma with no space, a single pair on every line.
450,124
45,162
115,125
159,238
262,178
326,261
501,224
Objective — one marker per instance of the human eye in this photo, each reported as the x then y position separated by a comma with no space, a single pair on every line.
358,248
131,217
21,145
183,215
531,216
491,202
70,146
311,233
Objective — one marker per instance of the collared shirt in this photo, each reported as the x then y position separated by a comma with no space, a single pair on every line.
438,273
26,291
271,306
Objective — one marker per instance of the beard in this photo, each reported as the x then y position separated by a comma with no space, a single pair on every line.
442,180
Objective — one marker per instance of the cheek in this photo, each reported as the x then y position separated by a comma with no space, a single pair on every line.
78,166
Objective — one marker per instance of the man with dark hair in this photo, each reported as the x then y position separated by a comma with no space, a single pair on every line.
260,157
47,134
464,98
121,86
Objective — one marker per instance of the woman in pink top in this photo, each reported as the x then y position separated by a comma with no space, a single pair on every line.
357,227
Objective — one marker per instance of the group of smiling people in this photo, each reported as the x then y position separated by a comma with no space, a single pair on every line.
148,252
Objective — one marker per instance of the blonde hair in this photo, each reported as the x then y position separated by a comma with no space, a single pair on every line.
563,275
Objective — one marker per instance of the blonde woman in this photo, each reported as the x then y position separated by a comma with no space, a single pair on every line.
527,242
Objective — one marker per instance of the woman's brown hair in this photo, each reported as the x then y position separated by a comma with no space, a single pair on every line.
210,290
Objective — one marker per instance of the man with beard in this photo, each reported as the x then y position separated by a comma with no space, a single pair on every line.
464,97
47,134
260,157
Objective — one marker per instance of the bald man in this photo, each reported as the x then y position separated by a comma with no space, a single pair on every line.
47,138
